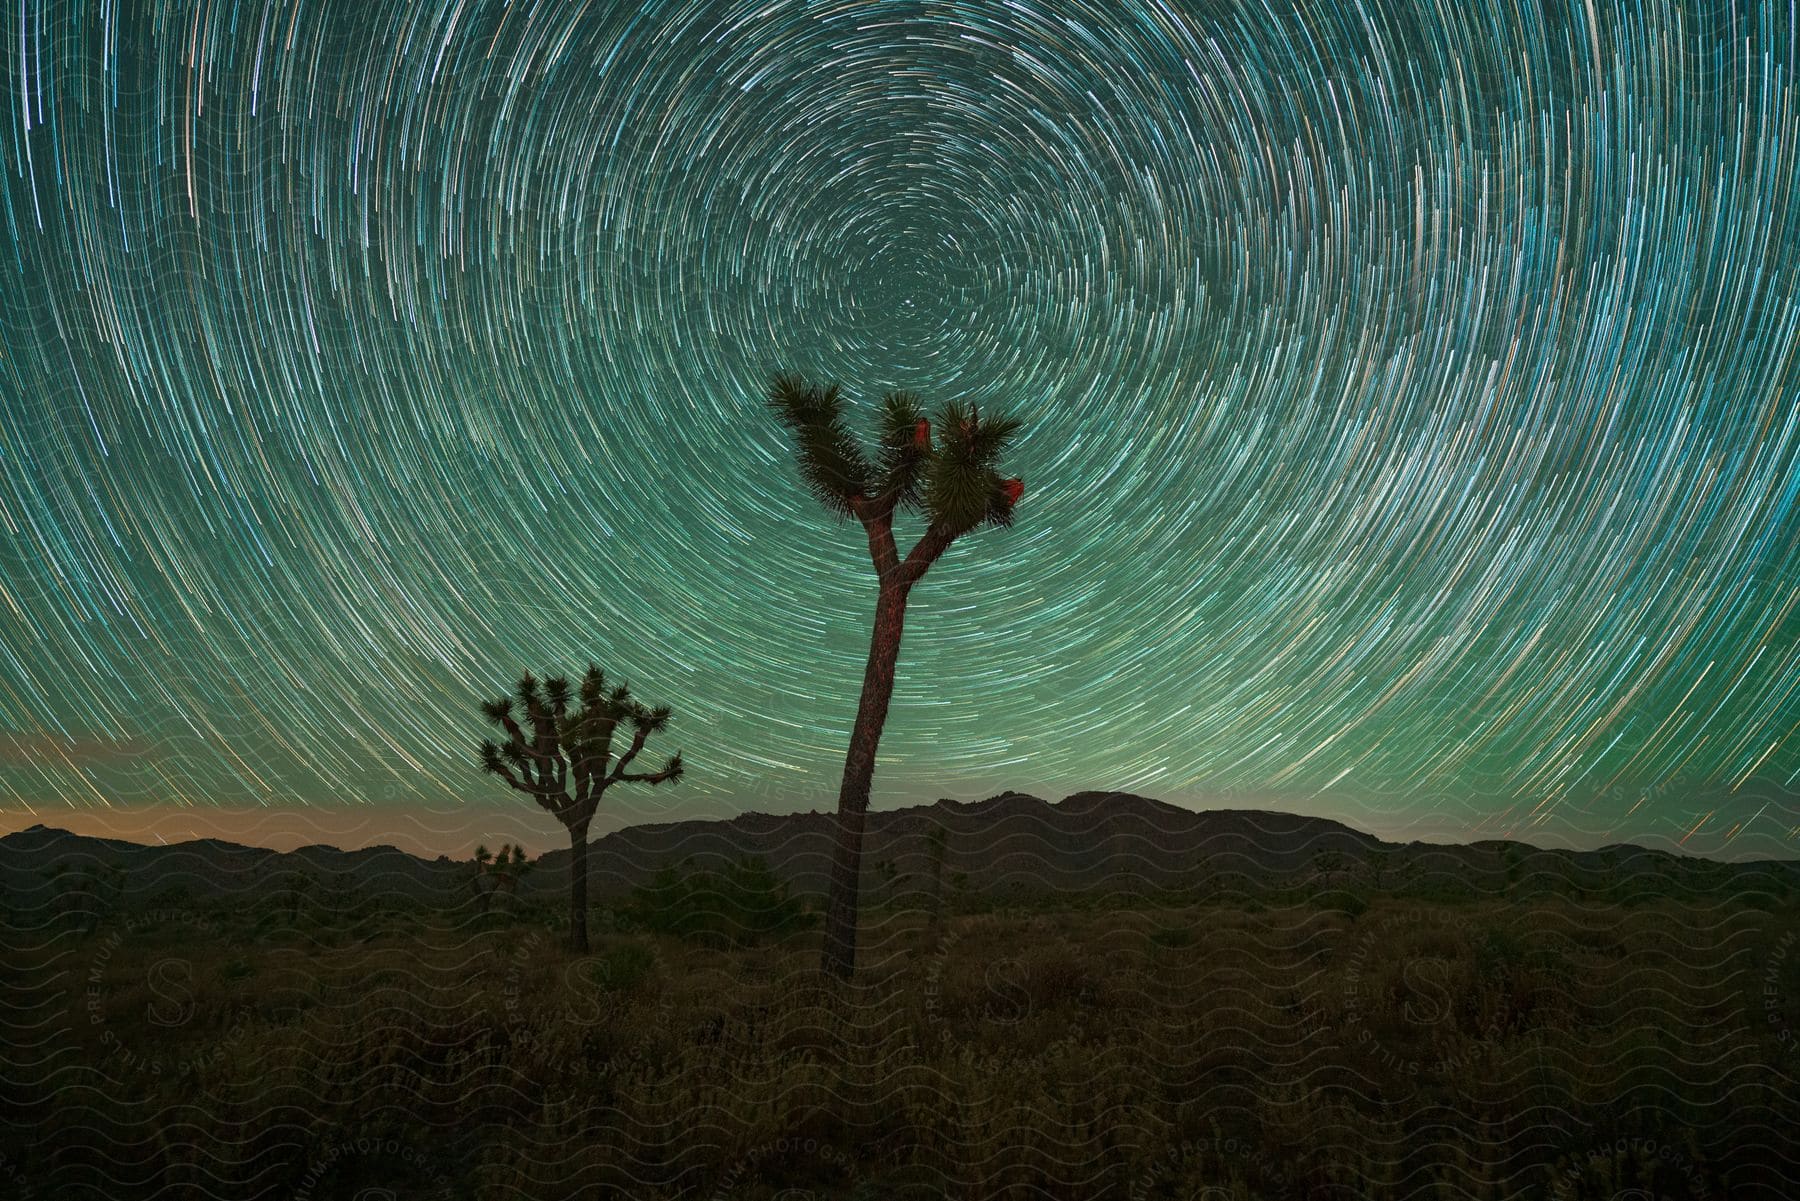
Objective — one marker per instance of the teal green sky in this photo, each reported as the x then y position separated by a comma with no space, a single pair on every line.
1412,402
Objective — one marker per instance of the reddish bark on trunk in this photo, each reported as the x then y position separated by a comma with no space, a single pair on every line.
839,954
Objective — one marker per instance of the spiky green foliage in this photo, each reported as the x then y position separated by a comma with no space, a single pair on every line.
831,463
905,448
952,477
963,489
593,685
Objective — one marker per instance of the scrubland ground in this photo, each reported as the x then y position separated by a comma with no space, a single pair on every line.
1334,1045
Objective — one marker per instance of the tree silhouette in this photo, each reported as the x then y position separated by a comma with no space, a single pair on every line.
952,480
498,874
566,763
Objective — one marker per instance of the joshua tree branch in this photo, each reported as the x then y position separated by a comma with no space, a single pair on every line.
548,755
638,738
933,542
887,500
652,777
592,767
518,737
570,810
541,795
877,517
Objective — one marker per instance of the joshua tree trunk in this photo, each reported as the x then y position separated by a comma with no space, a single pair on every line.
935,841
839,954
578,906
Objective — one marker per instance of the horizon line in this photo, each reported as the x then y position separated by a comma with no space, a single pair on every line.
461,828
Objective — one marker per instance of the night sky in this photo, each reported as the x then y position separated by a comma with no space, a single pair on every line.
1412,399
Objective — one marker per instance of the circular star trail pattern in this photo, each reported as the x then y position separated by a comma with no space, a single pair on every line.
1412,397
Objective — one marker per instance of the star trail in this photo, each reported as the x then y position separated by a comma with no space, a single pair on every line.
1412,399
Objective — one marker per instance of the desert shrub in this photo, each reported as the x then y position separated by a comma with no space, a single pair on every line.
622,968
1342,900
1630,1168
1054,976
1519,984
743,905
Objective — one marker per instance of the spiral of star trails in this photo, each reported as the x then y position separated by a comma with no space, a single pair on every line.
1412,397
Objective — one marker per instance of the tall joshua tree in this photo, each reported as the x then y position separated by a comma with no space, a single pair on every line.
953,481
566,762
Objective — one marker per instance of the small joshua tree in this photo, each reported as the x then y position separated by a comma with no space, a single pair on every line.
953,481
566,762
498,874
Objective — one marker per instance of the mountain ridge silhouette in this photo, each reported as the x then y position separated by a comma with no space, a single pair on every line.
1091,841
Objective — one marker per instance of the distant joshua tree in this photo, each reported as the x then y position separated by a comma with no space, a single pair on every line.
566,761
498,873
953,481
1328,865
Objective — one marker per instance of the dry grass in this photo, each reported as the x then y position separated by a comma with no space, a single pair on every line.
1561,1049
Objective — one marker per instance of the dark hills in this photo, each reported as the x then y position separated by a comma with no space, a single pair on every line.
1089,843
